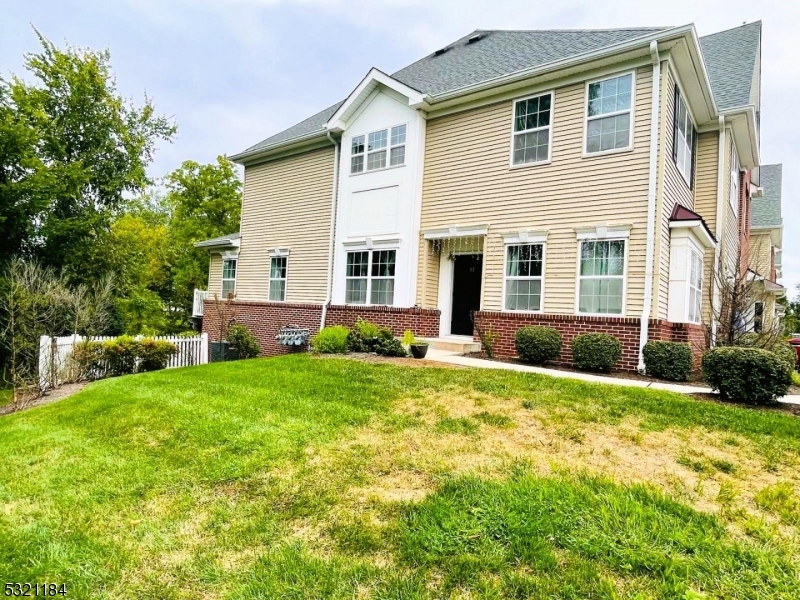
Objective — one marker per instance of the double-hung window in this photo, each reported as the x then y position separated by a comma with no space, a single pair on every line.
277,278
734,189
370,150
683,139
532,128
695,287
608,114
601,276
523,282
228,277
370,275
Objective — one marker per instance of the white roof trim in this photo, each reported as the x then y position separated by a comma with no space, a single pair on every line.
222,243
525,236
278,252
698,229
455,231
375,77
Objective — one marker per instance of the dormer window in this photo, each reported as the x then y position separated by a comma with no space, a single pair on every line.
370,150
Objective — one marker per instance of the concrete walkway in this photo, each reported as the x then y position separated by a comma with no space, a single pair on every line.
452,358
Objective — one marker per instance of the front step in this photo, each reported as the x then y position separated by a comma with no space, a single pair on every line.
459,344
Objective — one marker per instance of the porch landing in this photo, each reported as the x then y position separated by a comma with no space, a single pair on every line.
454,344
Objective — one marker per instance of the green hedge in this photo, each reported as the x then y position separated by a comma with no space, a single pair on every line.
596,351
668,360
368,337
750,375
538,344
121,356
779,347
241,338
331,340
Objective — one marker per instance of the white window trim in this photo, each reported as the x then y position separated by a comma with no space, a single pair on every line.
223,279
586,118
387,149
578,276
514,134
693,251
370,249
537,242
687,177
735,171
284,279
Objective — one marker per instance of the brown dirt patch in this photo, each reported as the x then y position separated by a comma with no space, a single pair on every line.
64,391
392,360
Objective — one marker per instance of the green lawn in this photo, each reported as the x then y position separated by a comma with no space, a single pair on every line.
300,477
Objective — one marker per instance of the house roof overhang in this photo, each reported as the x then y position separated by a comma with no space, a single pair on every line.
224,242
742,121
684,218
775,233
371,82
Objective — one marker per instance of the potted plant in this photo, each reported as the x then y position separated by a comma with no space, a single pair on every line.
418,348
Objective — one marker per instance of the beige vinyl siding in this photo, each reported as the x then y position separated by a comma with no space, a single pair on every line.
730,229
428,275
468,182
760,259
705,204
674,190
287,204
215,275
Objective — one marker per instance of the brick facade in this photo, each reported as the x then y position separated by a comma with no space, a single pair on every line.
265,320
625,329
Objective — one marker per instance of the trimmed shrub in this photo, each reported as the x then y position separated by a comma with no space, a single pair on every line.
241,338
668,360
538,344
87,357
153,354
596,351
750,375
781,348
786,353
331,340
368,337
120,355
385,344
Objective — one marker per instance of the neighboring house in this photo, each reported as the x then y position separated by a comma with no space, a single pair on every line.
766,240
585,180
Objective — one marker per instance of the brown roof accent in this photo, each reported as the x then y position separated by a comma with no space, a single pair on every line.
681,213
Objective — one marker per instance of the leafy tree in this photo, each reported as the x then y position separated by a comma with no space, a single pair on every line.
72,149
204,201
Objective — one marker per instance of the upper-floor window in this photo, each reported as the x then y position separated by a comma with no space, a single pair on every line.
524,277
532,127
228,277
734,188
695,286
370,274
277,278
608,114
371,149
684,139
601,276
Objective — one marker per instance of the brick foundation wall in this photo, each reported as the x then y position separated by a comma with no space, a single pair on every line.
265,320
624,329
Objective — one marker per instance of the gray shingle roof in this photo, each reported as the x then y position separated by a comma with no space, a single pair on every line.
218,241
497,53
767,209
730,58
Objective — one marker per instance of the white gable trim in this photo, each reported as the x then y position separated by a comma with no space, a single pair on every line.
364,90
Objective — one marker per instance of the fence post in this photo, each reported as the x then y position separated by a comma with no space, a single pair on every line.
203,349
44,360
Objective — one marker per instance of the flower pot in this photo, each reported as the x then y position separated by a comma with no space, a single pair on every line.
419,350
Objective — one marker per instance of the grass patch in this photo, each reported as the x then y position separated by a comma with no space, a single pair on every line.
782,500
300,477
583,538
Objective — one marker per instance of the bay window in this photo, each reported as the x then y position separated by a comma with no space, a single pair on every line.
370,275
609,122
523,279
601,276
695,287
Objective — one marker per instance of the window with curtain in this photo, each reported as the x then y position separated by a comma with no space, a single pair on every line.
277,278
524,277
601,276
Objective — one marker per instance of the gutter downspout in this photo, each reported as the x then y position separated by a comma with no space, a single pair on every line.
718,228
651,204
331,241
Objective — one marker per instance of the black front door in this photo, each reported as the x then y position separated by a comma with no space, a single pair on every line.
467,273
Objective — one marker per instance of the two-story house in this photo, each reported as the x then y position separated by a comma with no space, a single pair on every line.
588,180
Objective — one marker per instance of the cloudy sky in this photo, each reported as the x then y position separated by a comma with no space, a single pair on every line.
232,72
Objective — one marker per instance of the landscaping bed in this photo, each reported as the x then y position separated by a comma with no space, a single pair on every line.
297,477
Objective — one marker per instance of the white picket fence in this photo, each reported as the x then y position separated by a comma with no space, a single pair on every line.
55,354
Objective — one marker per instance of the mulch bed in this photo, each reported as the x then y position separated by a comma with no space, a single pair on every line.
782,407
68,389
392,360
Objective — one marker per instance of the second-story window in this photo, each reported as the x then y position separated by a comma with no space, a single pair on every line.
734,187
370,151
532,126
608,114
683,139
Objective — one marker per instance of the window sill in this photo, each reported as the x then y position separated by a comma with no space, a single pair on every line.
615,315
378,170
529,165
523,312
586,154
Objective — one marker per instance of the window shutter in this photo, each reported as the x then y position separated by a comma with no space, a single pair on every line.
694,158
675,112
